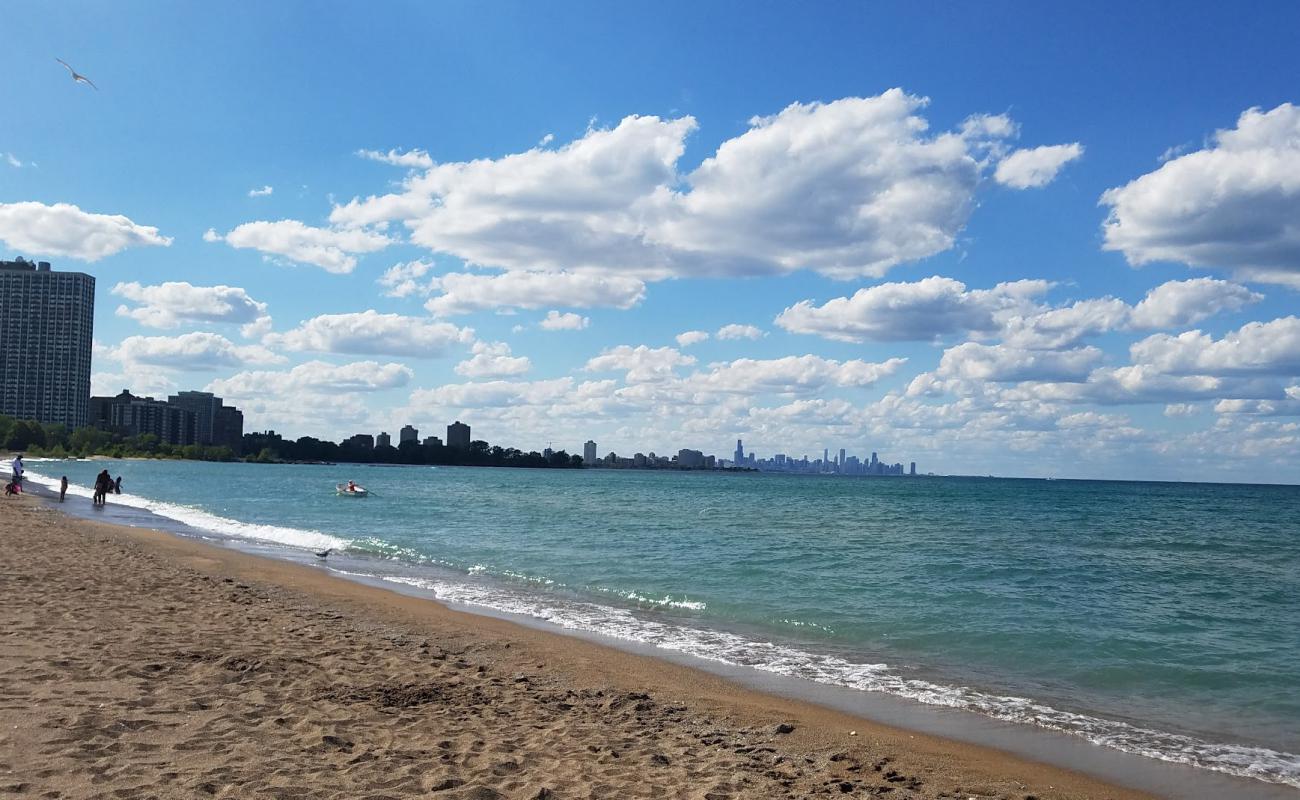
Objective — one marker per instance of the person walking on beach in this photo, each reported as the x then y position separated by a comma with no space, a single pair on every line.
17,467
63,487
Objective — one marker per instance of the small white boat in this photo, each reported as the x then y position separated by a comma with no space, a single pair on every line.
351,491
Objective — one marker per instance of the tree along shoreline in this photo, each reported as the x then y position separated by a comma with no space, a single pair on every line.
56,441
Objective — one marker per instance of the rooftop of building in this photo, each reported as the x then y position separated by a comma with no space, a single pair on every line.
21,264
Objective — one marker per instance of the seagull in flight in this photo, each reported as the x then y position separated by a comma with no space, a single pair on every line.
77,76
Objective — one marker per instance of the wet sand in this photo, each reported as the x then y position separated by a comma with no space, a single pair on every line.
138,664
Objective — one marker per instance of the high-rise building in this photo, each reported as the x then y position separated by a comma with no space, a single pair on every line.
205,406
841,461
228,429
589,453
383,440
408,434
432,441
740,453
458,435
826,458
216,424
46,322
912,471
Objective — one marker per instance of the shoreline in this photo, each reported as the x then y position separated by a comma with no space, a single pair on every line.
1028,742
668,702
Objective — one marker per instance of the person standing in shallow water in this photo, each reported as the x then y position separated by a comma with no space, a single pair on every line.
103,483
117,485
63,487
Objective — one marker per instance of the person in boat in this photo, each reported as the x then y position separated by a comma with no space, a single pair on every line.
352,486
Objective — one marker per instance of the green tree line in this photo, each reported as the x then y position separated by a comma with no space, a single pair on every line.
56,441
271,447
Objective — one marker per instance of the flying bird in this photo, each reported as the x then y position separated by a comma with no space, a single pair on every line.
324,553
77,76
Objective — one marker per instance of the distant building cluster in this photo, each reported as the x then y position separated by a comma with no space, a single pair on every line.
409,437
460,450
694,459
842,464
186,418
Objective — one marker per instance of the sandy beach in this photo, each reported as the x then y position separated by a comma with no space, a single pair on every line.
138,664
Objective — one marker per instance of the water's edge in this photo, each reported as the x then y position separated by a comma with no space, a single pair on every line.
1016,725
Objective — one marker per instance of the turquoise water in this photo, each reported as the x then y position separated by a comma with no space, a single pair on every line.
1160,619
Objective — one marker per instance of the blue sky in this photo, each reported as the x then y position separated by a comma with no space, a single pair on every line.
1007,238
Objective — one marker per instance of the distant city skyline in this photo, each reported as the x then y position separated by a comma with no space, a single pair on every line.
943,236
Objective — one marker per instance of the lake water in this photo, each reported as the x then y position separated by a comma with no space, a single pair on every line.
1158,619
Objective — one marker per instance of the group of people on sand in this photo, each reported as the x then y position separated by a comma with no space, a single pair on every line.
104,483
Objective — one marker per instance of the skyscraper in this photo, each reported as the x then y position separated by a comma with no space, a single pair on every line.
740,453
408,434
46,322
458,435
841,461
383,440
589,453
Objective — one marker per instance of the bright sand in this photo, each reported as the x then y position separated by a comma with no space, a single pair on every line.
138,664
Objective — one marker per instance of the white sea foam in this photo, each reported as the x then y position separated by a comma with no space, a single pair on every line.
205,521
727,648
667,601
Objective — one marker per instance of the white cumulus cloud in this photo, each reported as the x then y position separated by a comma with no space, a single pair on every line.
265,191
917,311
640,364
1177,303
738,331
403,280
196,351
313,377
1268,348
410,158
1232,204
555,321
331,250
463,292
793,374
493,360
1037,166
847,188
1005,363
63,229
169,304
372,333
688,338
